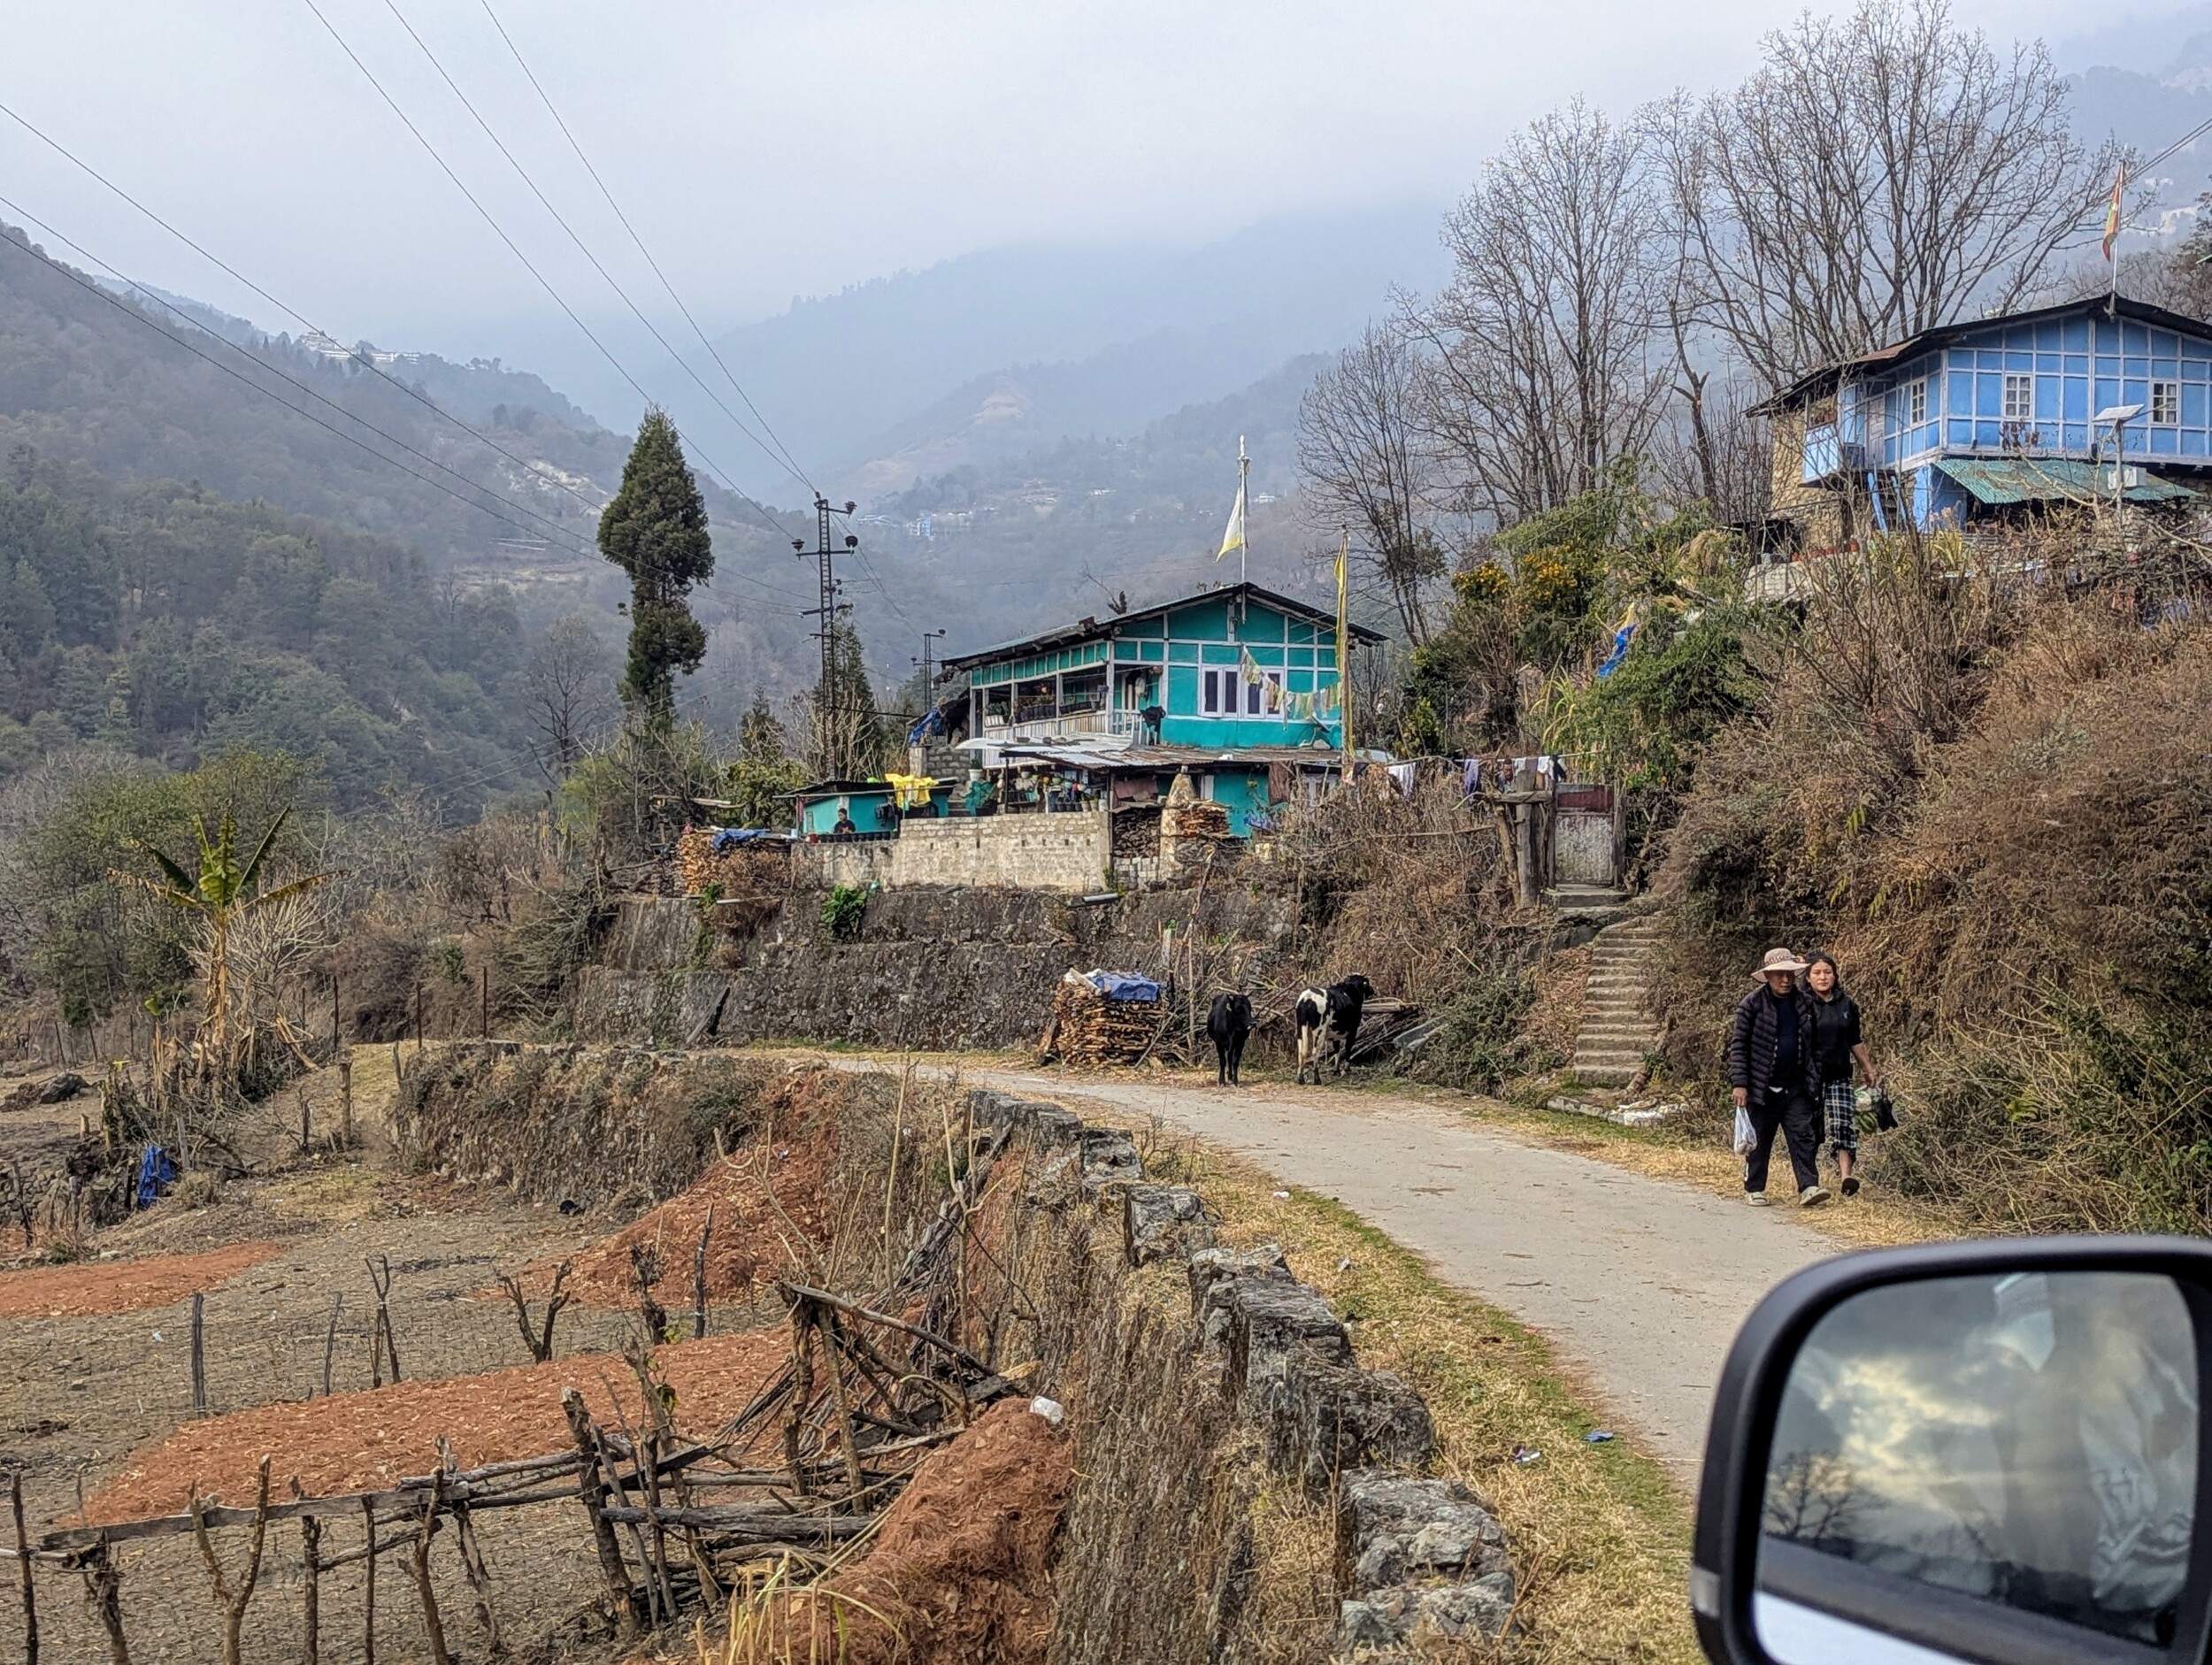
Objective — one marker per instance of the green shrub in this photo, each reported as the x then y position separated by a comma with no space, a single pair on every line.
842,911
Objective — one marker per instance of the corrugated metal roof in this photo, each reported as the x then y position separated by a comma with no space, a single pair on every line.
1817,381
1090,628
1999,482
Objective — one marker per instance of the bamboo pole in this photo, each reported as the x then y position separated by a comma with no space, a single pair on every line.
418,1560
699,1278
199,1355
103,1593
368,1585
593,1494
310,1592
23,1561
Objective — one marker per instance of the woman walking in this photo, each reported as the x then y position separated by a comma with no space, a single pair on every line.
1837,1045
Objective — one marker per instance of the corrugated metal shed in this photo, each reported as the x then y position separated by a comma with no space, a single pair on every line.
1999,482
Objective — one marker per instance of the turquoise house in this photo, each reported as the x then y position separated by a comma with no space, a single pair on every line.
1238,685
816,808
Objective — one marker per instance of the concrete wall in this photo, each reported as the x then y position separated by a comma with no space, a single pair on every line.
1067,852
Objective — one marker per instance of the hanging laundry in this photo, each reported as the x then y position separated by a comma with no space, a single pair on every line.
1402,775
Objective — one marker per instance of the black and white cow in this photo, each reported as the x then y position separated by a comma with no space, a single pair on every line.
1328,1024
1228,1025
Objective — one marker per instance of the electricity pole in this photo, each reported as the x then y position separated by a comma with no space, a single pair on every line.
826,715
929,680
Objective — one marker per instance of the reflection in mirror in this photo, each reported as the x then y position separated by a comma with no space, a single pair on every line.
2027,1438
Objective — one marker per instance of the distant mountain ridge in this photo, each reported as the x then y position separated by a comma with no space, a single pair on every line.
1065,340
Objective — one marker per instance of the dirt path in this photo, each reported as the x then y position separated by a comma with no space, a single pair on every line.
1639,1283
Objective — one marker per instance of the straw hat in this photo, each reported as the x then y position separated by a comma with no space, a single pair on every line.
1776,960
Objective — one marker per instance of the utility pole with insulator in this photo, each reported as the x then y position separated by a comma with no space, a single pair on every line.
826,715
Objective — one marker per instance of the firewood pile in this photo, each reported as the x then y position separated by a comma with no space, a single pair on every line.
1089,1029
1137,830
747,870
1199,818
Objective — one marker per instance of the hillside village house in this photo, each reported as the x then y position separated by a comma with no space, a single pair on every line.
1972,423
1237,685
1075,737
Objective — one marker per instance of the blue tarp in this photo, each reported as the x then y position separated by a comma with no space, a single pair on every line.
933,722
730,837
1123,986
155,1171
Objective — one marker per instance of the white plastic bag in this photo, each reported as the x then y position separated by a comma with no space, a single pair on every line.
1746,1135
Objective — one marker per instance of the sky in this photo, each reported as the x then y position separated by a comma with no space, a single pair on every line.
774,150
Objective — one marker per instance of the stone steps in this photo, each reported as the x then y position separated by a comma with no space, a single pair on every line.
1617,1033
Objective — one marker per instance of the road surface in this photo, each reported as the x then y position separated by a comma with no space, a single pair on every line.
1639,1283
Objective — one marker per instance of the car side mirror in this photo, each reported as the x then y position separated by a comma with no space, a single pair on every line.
1985,1452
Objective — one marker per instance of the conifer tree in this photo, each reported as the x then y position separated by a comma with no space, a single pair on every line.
656,530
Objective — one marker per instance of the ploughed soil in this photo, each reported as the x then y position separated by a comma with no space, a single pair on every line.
959,1572
368,1440
772,1212
91,1287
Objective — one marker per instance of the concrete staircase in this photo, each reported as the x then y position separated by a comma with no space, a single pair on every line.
1617,1029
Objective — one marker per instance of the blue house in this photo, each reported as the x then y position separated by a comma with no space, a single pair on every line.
1976,420
1238,685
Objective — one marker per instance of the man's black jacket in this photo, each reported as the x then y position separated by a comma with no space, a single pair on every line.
1751,1039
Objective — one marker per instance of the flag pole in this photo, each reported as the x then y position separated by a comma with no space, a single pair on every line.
1343,671
1244,477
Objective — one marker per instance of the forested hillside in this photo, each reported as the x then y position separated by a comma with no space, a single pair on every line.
169,623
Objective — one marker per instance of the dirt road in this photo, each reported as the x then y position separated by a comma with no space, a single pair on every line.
1639,1283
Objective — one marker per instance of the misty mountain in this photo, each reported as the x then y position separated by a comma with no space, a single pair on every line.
1022,345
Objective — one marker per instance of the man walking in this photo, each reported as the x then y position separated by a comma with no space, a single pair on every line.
1774,1067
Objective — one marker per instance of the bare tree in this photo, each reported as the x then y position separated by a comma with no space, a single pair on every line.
1543,367
1360,447
1876,177
569,689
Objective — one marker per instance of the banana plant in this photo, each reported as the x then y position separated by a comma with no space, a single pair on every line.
220,893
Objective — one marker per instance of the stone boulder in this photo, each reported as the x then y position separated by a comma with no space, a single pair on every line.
1164,1222
1424,1558
1211,1272
1109,1158
1336,1416
1267,1318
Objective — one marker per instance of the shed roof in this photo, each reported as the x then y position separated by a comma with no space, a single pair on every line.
1156,759
1091,629
1998,481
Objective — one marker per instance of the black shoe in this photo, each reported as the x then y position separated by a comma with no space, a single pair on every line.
1851,1187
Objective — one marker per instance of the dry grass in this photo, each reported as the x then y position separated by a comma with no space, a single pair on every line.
1601,1538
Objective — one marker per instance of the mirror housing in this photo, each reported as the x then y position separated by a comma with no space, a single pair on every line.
1890,1618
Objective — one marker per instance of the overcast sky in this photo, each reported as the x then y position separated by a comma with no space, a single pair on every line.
772,149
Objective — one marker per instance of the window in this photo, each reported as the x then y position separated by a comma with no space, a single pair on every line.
1916,403
2019,398
1209,700
2165,403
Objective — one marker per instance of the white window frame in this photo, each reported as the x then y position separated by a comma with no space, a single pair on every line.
1916,402
2022,383
1210,690
2166,394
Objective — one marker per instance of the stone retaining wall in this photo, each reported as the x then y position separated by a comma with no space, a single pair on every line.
1419,1560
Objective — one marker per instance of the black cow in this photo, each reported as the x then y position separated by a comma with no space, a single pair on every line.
1228,1025
1328,1024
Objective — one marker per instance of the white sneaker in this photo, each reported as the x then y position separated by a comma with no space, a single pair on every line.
1812,1196
1758,1199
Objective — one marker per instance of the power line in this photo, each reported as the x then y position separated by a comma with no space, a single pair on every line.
783,452
515,248
555,527
143,317
298,317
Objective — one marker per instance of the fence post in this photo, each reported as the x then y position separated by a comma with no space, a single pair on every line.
199,1355
23,1561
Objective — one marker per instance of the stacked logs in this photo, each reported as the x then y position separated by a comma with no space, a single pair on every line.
1087,1029
1198,818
